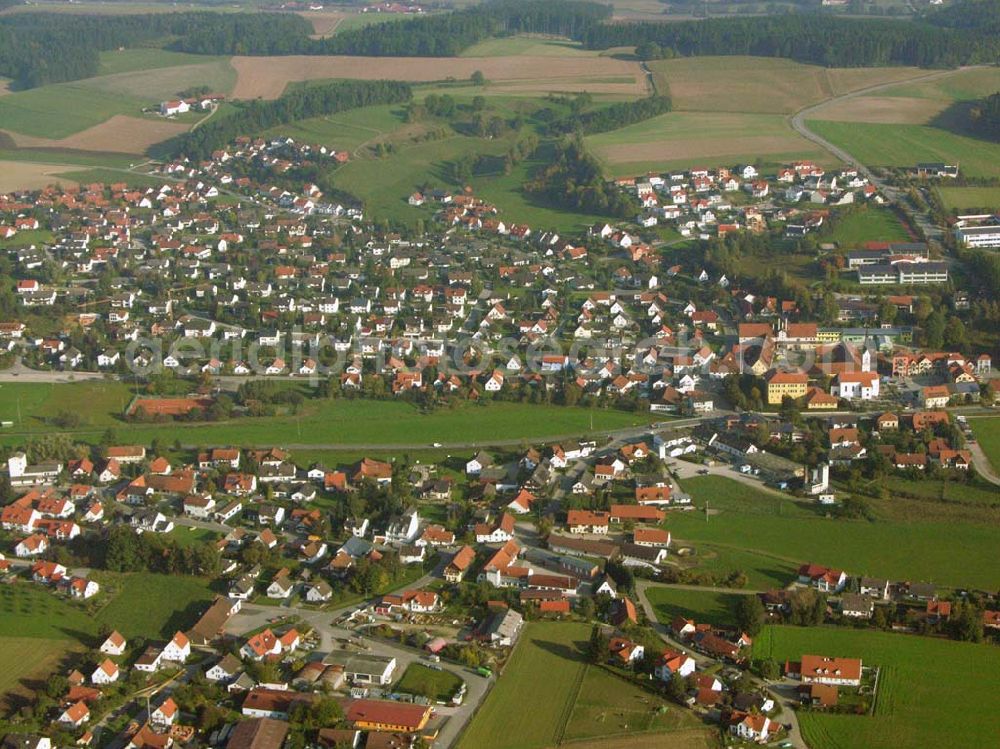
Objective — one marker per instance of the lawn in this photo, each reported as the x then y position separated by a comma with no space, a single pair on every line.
67,156
152,606
25,662
157,83
960,199
556,696
185,535
509,46
346,131
117,61
685,139
607,706
870,225
99,403
60,110
385,184
335,422
899,145
700,605
112,175
31,611
987,432
420,679
924,698
786,532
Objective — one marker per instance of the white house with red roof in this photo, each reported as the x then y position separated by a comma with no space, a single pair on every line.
751,726
261,645
165,714
673,662
106,673
824,579
178,649
75,715
114,644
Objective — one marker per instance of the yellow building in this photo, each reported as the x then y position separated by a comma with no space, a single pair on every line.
780,384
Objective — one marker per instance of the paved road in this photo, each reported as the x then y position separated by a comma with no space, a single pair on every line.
923,219
798,119
982,463
253,617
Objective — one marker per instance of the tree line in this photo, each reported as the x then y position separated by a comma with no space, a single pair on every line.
37,49
808,38
300,104
612,117
964,33
985,116
573,180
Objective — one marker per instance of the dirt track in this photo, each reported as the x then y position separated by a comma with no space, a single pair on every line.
267,77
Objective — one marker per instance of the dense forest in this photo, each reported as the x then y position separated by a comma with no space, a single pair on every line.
41,48
299,104
985,116
573,180
612,117
816,39
961,34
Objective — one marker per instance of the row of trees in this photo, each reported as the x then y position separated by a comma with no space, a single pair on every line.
126,551
573,179
612,117
985,116
300,104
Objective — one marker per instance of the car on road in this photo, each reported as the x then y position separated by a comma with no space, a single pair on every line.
435,444
703,472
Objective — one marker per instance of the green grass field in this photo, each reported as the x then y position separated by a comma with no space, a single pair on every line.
346,131
67,156
872,225
925,697
905,145
112,175
962,198
37,629
510,46
30,610
155,83
98,402
685,139
185,535
62,109
419,679
558,697
784,532
152,606
385,184
27,661
987,431
113,62
700,605
341,422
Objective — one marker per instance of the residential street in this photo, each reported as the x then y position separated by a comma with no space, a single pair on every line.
779,693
